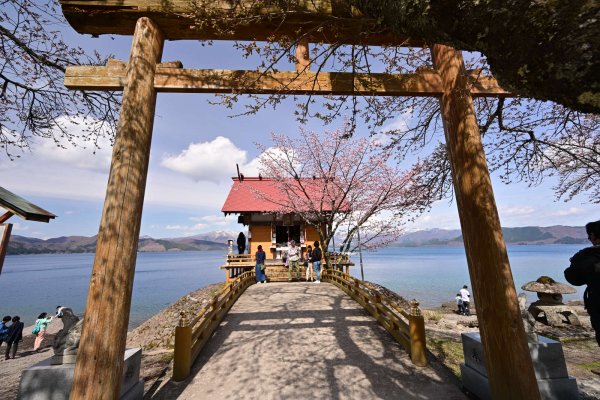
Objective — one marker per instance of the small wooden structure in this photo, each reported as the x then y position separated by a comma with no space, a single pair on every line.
16,205
100,362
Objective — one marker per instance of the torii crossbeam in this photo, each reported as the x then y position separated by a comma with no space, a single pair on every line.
100,362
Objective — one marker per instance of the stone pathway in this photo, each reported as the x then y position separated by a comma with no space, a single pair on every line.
306,341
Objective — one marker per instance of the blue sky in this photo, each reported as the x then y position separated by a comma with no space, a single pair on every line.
194,153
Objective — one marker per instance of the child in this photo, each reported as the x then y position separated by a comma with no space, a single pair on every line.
4,329
309,264
459,303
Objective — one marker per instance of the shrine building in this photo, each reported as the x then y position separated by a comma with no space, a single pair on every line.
261,205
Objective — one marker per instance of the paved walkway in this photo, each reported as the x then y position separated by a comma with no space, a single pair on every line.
306,341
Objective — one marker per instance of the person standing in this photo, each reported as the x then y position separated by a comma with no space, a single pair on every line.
241,243
309,264
466,300
293,257
316,257
585,270
4,330
15,335
259,270
40,326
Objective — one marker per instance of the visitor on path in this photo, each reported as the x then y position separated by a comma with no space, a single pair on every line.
459,303
259,270
15,335
316,257
39,329
241,243
585,270
293,258
308,264
466,300
4,329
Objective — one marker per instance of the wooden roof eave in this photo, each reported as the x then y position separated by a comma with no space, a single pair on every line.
319,21
23,208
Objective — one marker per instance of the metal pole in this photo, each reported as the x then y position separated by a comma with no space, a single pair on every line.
362,272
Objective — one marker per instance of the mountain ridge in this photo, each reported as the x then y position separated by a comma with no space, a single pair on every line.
217,240
555,234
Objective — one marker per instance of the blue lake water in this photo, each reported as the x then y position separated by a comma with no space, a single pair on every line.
30,284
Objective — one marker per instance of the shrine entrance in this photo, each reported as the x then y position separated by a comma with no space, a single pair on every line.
100,359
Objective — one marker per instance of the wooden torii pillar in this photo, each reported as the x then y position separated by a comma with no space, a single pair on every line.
501,325
99,365
100,362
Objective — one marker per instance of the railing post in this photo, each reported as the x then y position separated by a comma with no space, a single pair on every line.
416,329
182,354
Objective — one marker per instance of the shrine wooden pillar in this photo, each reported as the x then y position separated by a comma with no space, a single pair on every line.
508,361
100,357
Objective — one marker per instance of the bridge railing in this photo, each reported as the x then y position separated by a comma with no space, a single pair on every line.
408,328
191,337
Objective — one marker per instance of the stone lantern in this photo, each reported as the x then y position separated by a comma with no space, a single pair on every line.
550,302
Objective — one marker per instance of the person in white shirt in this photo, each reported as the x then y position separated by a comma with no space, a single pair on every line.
293,257
466,299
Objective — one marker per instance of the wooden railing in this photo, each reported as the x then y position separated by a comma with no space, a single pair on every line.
191,337
240,259
339,261
408,328
237,264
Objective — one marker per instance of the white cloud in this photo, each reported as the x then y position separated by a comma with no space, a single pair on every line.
400,123
185,227
569,212
19,227
207,161
79,152
215,220
513,211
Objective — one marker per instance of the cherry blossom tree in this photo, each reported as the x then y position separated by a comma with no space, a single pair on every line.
340,184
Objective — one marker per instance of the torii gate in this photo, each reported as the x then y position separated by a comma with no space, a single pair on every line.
100,359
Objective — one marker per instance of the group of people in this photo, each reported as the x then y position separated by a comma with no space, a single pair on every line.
312,262
11,333
463,301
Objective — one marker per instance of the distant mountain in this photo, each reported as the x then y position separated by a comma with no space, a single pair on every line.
83,244
215,236
217,240
557,234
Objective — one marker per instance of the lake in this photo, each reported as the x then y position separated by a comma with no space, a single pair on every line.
31,284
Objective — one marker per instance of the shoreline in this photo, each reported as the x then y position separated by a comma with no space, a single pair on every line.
443,328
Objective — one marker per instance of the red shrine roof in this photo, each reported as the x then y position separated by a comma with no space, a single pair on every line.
260,195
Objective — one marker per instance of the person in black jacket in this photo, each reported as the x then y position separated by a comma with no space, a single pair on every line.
316,257
15,335
585,270
241,243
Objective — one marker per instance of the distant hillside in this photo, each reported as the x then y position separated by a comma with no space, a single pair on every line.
557,234
218,240
83,244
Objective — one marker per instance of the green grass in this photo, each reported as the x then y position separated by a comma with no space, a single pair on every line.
448,352
591,365
432,315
